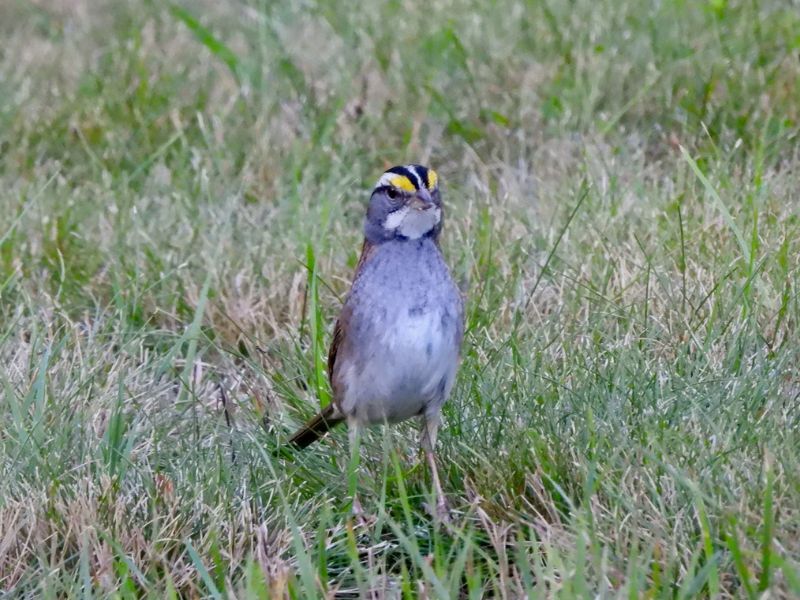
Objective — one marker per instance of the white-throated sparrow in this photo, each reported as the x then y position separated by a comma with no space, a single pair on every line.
396,343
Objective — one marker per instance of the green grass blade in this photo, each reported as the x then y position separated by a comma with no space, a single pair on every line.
208,581
208,39
767,531
723,209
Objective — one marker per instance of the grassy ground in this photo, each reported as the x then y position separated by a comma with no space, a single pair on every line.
181,197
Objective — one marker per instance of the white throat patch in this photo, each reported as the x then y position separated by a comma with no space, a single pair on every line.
413,223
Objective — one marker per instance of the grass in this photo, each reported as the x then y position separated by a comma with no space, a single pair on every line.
181,195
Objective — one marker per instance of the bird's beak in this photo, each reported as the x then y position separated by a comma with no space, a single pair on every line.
421,200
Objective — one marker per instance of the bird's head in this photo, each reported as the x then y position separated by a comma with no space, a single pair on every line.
405,205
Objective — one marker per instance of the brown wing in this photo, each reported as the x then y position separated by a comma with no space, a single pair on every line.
338,336
330,416
341,323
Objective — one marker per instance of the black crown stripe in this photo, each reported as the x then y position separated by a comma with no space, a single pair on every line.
405,173
422,171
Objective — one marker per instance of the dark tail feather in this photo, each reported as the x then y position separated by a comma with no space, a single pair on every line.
316,427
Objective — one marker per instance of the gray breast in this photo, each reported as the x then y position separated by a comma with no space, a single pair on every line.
404,334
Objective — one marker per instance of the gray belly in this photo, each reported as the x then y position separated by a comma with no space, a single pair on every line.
404,335
407,368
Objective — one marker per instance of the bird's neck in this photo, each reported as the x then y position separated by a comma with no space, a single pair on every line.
378,235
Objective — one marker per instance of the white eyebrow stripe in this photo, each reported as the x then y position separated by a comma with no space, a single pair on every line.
386,179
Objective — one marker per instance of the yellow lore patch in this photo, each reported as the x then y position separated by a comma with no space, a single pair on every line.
433,179
403,183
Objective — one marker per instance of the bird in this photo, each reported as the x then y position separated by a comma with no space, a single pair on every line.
397,341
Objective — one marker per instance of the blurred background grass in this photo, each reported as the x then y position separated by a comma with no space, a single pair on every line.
621,188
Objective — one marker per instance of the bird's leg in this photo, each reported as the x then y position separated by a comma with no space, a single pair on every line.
430,428
354,434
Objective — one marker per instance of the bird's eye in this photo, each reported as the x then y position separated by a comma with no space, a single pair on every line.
392,193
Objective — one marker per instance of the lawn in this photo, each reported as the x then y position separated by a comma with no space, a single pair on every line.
182,190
